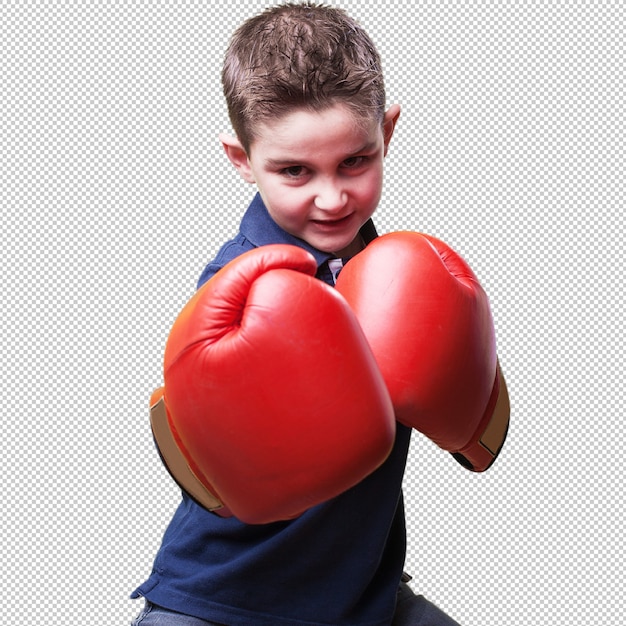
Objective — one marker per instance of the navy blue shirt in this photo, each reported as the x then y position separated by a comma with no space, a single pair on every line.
340,563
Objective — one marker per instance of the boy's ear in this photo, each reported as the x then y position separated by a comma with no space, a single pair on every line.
237,156
389,123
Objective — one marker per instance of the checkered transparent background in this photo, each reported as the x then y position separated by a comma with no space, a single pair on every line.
115,193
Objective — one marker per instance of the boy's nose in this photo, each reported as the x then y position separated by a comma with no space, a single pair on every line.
331,197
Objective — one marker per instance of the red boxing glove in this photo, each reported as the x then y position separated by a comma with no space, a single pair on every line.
430,327
273,400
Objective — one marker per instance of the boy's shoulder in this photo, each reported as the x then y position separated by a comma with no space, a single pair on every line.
257,229
229,251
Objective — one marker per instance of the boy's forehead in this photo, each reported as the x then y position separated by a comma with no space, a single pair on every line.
304,129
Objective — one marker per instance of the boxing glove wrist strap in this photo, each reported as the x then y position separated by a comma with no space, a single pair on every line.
175,462
485,446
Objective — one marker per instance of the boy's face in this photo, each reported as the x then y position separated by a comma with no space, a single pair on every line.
320,174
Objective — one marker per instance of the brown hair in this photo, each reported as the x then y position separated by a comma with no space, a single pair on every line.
306,56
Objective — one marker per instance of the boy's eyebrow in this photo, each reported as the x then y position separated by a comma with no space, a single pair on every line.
370,145
277,163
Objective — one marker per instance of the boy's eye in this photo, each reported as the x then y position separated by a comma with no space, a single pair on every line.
355,161
293,171
299,171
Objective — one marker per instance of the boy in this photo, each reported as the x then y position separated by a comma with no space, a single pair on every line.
306,98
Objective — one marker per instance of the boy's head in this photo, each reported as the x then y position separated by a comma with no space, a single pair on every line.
300,56
307,102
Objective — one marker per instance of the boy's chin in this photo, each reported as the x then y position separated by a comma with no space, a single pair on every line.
336,248
355,246
341,244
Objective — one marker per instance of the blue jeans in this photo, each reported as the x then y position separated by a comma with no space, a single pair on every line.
153,615
411,610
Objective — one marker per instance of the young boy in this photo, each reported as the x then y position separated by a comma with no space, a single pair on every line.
306,98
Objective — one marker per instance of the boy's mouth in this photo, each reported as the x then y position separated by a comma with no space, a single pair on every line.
333,223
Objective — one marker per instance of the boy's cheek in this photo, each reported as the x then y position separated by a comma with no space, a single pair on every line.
285,212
